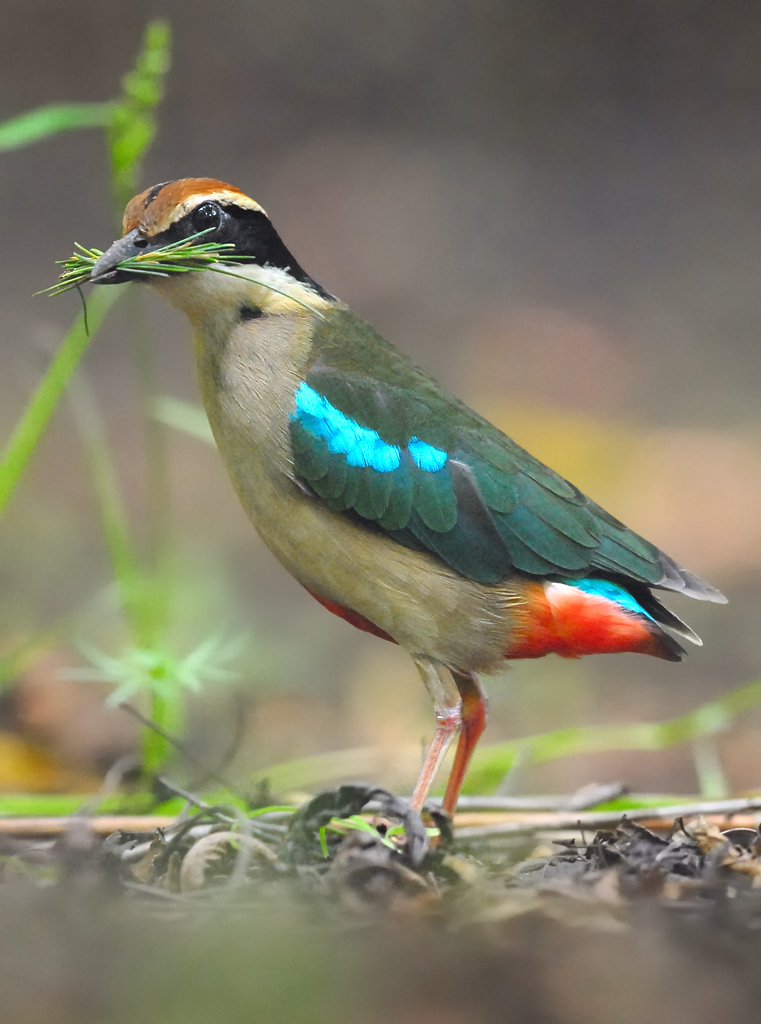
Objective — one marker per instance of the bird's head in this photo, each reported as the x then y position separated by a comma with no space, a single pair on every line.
174,211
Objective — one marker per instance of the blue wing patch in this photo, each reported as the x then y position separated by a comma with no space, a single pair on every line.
425,456
361,445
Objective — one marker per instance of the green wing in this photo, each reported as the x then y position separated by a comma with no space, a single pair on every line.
377,438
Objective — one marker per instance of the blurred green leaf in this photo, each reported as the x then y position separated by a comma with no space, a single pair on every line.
712,780
274,808
490,764
43,402
155,671
37,805
311,771
130,126
185,416
33,805
323,834
35,125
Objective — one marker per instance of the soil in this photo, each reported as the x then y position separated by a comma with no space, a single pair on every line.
286,916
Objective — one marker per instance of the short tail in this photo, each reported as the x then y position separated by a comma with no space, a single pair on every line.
573,618
647,599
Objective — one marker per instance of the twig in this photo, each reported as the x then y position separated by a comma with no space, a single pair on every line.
184,794
587,796
178,745
239,731
600,819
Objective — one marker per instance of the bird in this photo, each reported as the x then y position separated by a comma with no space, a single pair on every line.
394,504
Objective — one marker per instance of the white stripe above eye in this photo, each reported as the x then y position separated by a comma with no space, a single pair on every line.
222,196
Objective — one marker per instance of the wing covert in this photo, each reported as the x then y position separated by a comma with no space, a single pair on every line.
397,450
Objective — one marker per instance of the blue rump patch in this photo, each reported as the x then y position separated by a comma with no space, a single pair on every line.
361,445
611,591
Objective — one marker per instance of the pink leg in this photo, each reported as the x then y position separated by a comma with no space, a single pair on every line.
473,711
448,707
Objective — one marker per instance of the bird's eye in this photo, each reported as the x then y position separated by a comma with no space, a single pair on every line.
206,216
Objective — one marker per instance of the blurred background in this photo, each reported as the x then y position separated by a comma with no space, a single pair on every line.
551,207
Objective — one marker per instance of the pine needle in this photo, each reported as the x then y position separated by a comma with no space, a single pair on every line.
176,258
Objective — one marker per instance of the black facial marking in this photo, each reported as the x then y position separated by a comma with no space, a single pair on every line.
250,231
250,313
155,191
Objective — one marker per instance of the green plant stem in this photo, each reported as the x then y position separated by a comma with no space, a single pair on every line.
130,127
129,134
113,516
143,595
155,747
155,442
43,402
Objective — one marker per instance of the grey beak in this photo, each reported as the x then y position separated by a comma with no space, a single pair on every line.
106,270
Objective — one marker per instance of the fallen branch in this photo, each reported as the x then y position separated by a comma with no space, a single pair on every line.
743,812
586,796
650,817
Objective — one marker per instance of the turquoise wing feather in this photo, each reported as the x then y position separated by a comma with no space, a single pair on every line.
376,437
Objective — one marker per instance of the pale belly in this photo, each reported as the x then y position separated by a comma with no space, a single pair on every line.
417,600
428,609
413,597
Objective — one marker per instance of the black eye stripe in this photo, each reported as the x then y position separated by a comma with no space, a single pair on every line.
250,231
250,313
